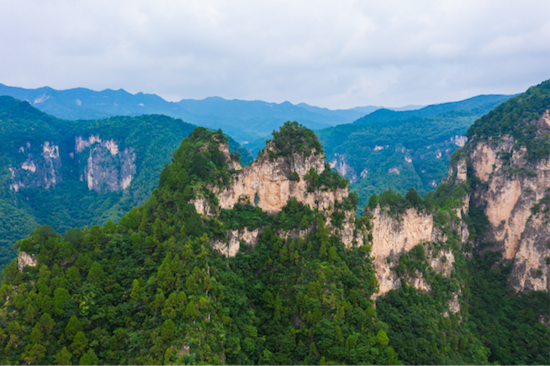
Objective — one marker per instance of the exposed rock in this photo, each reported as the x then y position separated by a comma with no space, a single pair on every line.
269,182
343,168
24,259
41,169
231,247
530,270
512,187
459,140
392,237
106,168
394,170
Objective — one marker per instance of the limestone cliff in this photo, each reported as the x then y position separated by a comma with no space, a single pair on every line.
104,166
270,183
394,236
99,163
510,186
41,167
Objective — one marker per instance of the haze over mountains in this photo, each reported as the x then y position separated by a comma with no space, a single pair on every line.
243,120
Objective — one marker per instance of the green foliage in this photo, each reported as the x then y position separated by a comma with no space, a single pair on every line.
328,179
518,117
407,150
507,323
293,138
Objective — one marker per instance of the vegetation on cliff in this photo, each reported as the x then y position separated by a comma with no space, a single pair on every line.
518,117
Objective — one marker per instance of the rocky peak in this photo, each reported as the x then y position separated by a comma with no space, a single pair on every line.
292,166
508,160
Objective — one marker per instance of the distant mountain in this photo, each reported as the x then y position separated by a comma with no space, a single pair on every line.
243,120
477,105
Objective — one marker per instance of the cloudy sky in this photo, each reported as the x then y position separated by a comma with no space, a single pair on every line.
335,54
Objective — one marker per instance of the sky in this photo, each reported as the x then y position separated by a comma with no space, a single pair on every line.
334,54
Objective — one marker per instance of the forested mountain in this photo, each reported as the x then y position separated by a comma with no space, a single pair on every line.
243,120
479,105
77,173
268,264
402,150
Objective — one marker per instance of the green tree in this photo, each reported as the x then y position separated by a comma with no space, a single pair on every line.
96,274
63,357
382,339
72,328
79,344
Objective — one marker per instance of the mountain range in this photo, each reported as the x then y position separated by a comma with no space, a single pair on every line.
243,120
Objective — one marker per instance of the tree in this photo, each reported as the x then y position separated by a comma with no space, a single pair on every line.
373,201
72,328
350,343
168,330
79,344
89,358
134,295
63,357
382,339
165,277
34,354
96,274
413,197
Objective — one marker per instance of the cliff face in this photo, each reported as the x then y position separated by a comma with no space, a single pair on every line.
510,188
99,163
394,236
41,167
104,166
267,184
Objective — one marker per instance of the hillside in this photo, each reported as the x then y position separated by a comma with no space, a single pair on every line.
478,105
243,120
409,149
72,174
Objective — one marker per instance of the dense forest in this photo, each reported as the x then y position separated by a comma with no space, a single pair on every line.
151,289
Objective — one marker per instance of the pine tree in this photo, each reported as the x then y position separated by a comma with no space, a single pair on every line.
63,357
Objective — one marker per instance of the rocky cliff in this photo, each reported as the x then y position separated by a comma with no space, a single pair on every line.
511,185
396,235
506,164
269,183
99,163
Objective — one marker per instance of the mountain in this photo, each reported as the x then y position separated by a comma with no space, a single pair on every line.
408,149
77,173
480,105
244,120
269,264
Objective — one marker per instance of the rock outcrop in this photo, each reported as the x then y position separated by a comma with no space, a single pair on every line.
270,183
40,169
266,183
24,259
105,167
394,236
511,186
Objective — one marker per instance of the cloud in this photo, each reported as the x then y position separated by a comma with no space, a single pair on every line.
332,54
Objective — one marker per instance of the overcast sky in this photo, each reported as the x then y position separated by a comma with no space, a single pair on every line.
334,54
